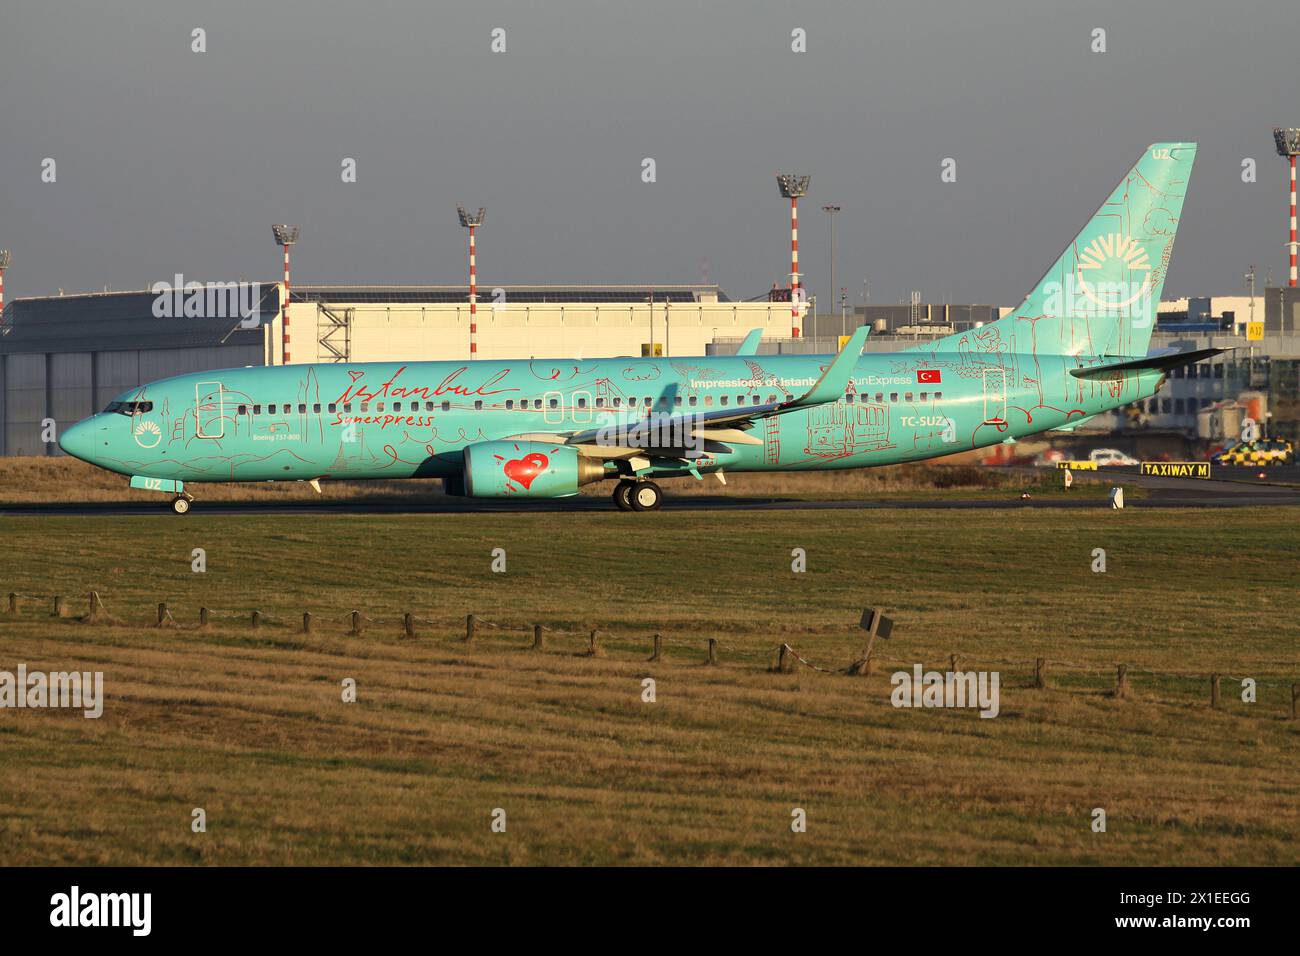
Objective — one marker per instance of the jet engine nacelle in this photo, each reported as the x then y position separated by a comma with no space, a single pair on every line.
527,469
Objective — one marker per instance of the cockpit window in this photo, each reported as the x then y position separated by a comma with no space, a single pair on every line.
129,408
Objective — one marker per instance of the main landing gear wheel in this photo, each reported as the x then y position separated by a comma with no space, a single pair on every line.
181,505
622,495
646,496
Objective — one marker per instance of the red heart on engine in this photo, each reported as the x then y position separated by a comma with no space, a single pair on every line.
526,469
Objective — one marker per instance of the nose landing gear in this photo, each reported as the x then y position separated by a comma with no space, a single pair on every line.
180,504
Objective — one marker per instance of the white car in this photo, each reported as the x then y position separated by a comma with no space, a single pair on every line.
1105,457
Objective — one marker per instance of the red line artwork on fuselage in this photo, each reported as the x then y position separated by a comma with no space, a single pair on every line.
358,391
1029,412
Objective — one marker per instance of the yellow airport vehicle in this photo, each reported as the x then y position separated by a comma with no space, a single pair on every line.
1257,454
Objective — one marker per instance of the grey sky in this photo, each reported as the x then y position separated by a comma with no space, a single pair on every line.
171,161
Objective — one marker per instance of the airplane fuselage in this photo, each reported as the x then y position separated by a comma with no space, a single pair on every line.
391,420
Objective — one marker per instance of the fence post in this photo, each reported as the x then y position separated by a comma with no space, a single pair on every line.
952,663
162,613
257,619
1214,691
96,605
408,625
1121,681
1040,673
593,649
13,603
539,642
783,663
658,651
1295,700
203,617
306,622
356,625
471,624
60,608
713,651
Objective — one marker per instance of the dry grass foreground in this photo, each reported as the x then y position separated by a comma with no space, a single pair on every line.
250,725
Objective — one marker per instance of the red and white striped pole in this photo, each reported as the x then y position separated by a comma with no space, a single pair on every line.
284,318
286,236
792,186
794,267
471,221
1293,246
1288,145
473,298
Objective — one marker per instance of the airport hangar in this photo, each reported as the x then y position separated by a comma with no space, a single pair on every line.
65,357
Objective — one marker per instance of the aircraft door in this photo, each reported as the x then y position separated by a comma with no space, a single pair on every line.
208,410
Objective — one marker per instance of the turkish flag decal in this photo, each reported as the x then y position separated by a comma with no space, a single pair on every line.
929,376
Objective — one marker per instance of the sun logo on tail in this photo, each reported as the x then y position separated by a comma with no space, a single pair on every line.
1107,268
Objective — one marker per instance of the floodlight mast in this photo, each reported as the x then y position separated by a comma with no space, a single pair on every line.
831,209
286,236
472,221
792,186
1288,145
5,259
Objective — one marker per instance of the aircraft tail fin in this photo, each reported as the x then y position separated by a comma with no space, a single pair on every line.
1100,296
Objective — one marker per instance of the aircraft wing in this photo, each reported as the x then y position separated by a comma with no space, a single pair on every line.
664,433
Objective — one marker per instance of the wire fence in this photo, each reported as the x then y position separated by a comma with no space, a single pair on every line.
781,659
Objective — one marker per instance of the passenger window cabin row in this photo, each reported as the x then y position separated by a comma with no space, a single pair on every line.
288,408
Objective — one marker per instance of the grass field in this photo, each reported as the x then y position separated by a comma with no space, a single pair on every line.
250,725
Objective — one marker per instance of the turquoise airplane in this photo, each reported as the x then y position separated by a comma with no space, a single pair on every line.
1075,348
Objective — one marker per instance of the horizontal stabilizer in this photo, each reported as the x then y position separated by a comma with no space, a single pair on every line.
1151,363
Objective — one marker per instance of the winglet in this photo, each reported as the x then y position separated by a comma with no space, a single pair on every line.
750,345
835,379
